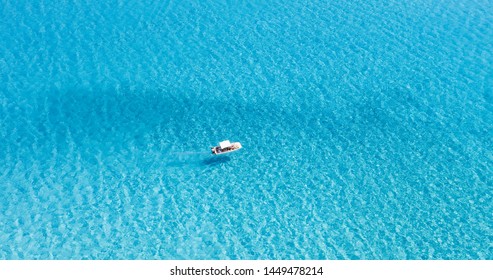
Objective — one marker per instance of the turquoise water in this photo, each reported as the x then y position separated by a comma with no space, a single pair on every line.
367,129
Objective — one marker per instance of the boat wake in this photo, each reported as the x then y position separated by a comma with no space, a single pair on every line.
190,153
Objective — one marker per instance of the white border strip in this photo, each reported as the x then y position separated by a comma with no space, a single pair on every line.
149,270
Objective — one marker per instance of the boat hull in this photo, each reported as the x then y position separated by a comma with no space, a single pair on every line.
233,148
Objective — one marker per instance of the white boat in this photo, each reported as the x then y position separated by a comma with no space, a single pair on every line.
225,147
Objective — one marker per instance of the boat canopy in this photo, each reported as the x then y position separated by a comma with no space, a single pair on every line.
224,144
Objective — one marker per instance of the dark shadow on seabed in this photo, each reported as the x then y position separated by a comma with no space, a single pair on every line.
156,120
215,160
198,161
108,122
150,119
105,123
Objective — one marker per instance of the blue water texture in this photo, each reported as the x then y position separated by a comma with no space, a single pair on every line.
367,129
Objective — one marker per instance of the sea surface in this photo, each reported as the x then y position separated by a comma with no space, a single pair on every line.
367,128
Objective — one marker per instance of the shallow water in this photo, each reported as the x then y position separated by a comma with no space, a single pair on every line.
366,126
